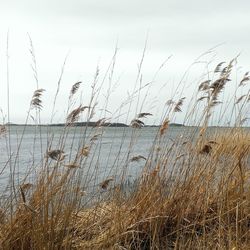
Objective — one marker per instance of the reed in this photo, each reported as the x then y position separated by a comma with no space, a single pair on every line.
191,194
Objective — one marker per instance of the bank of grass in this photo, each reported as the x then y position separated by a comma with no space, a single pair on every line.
194,194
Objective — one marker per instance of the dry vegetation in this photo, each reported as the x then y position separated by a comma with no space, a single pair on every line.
192,195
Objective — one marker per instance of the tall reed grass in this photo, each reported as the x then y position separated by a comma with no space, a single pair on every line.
191,194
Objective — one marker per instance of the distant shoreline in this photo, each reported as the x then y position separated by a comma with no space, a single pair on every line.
111,125
91,124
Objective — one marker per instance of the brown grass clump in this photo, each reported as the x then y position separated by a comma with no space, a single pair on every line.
207,206
233,143
191,193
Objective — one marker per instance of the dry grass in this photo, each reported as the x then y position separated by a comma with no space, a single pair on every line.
193,195
235,142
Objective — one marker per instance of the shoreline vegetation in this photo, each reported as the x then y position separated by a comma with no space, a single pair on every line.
190,193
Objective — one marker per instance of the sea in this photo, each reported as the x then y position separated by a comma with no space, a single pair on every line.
23,150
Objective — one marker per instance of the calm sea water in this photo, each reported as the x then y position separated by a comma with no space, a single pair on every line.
27,146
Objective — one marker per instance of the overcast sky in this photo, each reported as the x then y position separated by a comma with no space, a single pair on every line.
88,31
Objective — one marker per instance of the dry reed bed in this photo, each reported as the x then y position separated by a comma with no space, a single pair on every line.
204,211
209,208
196,196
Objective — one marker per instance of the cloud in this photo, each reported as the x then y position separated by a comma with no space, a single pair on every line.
91,28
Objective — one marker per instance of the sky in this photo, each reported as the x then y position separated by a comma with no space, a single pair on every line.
87,32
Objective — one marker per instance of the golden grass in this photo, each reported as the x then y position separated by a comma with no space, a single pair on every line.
233,143
192,196
208,209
